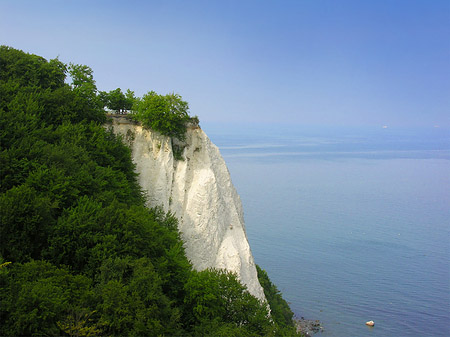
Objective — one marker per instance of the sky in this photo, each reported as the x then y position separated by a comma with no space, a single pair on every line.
303,62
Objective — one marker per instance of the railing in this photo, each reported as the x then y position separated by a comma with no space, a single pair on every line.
116,112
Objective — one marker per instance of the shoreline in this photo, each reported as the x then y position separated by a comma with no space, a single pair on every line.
307,327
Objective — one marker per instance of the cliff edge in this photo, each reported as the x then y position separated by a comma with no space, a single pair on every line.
198,190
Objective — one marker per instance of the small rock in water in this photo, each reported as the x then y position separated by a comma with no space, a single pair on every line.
370,323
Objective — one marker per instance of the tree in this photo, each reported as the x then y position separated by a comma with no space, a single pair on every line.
103,97
26,70
129,99
167,114
26,220
83,85
37,295
218,296
82,76
116,100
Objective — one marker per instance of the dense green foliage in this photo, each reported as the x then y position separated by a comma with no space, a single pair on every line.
167,114
117,100
87,257
279,308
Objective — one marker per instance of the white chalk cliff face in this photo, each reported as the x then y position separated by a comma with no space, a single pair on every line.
199,192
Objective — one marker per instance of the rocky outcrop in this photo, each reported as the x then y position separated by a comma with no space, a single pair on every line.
198,190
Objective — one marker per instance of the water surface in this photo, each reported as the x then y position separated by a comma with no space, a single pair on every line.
351,224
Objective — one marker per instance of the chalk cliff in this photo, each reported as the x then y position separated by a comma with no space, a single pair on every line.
199,192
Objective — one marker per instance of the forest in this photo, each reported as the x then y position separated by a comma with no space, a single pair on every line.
80,254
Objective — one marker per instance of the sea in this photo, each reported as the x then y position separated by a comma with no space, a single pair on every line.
352,224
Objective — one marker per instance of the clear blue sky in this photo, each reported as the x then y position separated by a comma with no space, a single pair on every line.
306,62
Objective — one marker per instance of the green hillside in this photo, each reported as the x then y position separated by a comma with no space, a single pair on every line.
80,254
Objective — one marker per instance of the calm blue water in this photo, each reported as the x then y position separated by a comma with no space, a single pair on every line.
351,224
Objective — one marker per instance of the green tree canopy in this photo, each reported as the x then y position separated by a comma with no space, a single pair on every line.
167,114
218,296
116,100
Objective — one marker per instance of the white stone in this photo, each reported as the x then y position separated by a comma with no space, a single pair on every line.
199,192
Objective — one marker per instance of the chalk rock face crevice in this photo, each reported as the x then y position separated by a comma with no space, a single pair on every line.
199,192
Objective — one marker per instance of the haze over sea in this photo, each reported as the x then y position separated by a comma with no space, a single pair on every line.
352,224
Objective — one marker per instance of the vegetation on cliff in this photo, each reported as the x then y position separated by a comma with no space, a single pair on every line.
167,114
279,308
80,254
117,100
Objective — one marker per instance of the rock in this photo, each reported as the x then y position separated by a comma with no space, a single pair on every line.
308,327
370,323
199,192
